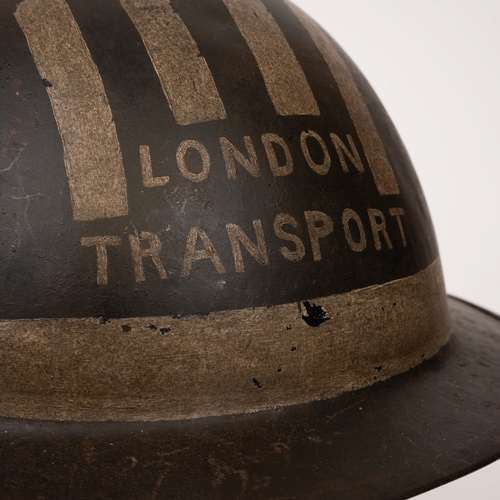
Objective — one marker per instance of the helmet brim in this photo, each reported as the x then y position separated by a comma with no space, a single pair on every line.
392,440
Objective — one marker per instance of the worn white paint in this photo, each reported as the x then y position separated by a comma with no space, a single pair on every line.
285,80
376,155
92,153
185,76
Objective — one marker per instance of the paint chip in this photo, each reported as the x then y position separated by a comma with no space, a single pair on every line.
257,383
315,315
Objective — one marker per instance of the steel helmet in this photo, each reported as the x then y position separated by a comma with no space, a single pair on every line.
219,276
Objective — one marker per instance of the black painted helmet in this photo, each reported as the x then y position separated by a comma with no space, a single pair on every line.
214,249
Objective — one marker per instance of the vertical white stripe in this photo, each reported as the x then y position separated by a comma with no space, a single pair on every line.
284,78
376,155
91,150
184,75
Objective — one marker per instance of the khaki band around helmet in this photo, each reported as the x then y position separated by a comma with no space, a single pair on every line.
163,368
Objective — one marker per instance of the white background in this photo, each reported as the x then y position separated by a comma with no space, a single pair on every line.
435,64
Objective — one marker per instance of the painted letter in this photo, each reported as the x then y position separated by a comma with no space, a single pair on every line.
325,166
347,216
231,153
181,160
139,253
378,223
343,151
147,170
300,251
319,225
398,213
276,169
101,242
237,236
193,254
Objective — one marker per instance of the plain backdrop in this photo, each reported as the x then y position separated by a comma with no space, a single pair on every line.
435,64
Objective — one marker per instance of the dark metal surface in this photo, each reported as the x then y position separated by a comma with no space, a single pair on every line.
393,440
389,441
47,272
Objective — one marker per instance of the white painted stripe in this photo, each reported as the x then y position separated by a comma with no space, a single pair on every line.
166,368
284,78
376,155
184,75
91,150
